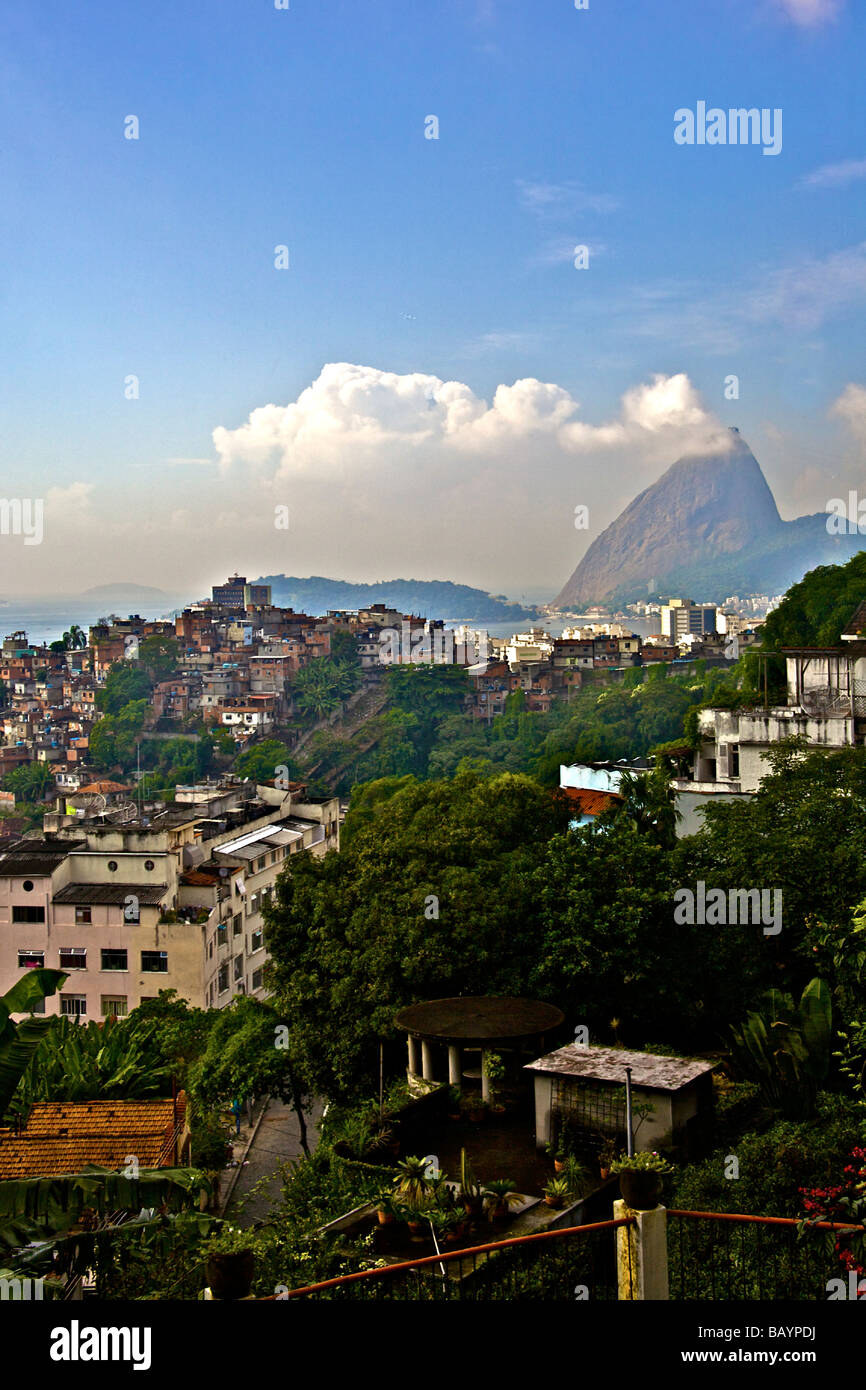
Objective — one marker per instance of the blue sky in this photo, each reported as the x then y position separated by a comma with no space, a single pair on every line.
417,261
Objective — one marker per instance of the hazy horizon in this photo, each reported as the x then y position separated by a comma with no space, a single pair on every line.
308,296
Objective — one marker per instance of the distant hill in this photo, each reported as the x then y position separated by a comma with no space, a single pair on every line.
430,598
708,528
124,591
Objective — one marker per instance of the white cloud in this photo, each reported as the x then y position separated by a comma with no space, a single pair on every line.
802,295
835,175
502,342
70,503
850,406
366,414
562,199
387,473
808,13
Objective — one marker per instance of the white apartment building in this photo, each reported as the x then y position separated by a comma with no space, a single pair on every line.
129,909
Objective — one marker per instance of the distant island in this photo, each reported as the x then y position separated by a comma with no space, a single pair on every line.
124,591
434,598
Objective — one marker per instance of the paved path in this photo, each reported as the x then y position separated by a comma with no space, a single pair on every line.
276,1141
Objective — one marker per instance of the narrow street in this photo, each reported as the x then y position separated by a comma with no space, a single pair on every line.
277,1140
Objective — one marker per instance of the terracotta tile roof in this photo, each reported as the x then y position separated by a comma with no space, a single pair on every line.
105,786
66,1136
591,803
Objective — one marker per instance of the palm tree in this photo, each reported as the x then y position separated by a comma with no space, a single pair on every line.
75,638
649,802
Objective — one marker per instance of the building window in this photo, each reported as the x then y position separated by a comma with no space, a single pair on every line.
114,1006
114,960
223,981
73,1004
210,951
112,866
237,924
734,759
154,962
30,960
73,958
239,967
222,934
257,979
83,914
28,914
27,885
253,905
256,939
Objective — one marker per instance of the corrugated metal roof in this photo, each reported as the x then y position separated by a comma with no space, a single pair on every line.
148,894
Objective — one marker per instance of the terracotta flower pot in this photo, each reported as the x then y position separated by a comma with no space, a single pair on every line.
553,1201
558,1165
230,1277
386,1218
640,1188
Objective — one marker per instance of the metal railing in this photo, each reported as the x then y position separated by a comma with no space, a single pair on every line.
574,1263
719,1256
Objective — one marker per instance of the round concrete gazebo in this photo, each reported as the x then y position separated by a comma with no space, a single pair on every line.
477,1022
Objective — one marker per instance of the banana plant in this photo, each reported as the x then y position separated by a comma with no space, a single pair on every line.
20,1041
789,1053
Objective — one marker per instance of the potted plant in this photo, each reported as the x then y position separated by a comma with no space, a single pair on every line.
230,1263
640,1178
471,1192
502,1196
387,1209
494,1068
606,1156
474,1106
556,1192
443,1222
411,1185
558,1152
577,1176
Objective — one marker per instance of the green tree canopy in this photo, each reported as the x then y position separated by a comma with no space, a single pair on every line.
125,681
429,896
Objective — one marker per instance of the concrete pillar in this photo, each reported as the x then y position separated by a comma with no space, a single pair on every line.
642,1254
485,1080
426,1060
454,1077
413,1055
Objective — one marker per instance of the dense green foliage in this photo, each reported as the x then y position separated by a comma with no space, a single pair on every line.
431,895
425,730
584,918
125,681
261,761
815,612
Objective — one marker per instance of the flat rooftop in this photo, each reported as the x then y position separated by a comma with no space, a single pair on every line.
479,1019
